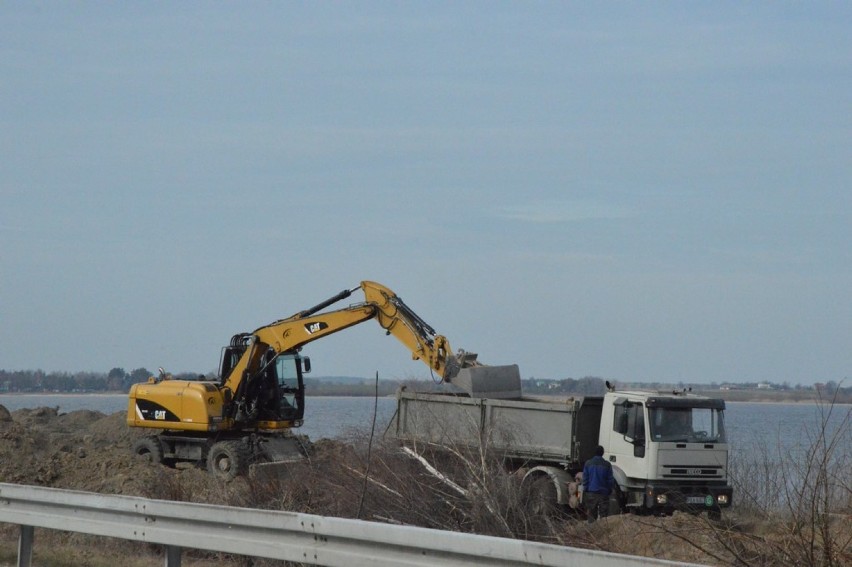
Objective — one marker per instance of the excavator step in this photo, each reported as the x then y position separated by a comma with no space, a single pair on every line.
283,450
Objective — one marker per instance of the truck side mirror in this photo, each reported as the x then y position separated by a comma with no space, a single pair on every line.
306,365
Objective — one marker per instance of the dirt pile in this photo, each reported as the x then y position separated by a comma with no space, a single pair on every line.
90,451
81,450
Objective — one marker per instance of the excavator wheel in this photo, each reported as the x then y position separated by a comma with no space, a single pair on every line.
149,448
228,459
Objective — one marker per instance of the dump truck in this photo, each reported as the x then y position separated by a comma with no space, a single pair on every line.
668,450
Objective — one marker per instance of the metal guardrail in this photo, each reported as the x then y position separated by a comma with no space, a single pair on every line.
301,538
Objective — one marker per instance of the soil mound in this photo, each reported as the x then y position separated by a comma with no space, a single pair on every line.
91,451
80,450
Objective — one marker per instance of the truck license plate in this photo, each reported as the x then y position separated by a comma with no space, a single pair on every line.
695,500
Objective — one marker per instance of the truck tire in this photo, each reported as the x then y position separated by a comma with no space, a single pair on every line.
617,502
228,459
541,497
149,448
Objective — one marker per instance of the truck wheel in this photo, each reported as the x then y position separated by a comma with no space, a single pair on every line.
227,459
150,449
541,496
617,502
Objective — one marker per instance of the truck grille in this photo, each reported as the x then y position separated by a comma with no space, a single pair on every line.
699,471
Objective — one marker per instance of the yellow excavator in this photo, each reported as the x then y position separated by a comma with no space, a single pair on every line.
246,415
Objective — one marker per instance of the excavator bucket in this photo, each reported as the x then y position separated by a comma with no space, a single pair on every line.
496,382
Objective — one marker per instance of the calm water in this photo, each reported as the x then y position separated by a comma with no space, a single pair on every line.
748,424
329,417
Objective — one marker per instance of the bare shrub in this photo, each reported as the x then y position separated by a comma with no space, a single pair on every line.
452,488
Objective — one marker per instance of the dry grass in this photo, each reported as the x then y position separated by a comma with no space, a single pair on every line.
792,508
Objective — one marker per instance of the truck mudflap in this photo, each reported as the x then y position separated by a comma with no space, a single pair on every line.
668,497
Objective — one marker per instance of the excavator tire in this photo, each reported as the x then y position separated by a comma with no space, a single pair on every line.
149,448
228,459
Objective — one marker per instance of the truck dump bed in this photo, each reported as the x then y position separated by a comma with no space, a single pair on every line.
526,428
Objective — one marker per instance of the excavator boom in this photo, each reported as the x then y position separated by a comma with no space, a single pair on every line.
381,304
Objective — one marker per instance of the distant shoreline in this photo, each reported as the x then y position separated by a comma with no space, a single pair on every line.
756,400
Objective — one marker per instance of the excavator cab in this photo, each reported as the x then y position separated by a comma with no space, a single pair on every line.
269,397
275,396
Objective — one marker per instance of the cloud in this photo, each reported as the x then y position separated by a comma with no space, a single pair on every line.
563,211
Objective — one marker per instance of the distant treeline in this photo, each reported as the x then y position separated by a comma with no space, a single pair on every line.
119,380
729,391
116,380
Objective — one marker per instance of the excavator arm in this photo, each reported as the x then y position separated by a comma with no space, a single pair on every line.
400,321
248,380
380,303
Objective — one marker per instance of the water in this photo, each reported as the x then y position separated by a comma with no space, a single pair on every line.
325,417
789,426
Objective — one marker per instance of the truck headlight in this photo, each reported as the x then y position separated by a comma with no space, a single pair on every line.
721,499
662,499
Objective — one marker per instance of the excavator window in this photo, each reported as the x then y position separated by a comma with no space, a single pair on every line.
290,391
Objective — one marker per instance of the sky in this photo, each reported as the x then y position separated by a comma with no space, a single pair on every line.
635,191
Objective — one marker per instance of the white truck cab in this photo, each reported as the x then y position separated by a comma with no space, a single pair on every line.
668,450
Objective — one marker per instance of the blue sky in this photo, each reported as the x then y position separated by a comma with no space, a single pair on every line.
638,191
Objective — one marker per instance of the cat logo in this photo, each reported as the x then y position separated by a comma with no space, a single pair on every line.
312,328
159,414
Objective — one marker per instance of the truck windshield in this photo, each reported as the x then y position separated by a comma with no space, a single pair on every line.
685,424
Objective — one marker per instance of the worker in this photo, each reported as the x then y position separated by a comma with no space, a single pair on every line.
598,483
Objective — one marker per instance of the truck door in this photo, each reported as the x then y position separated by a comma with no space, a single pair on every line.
627,438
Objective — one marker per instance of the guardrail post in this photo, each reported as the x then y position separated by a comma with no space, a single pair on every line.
173,555
25,546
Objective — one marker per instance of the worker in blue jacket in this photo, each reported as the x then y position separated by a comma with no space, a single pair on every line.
598,483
